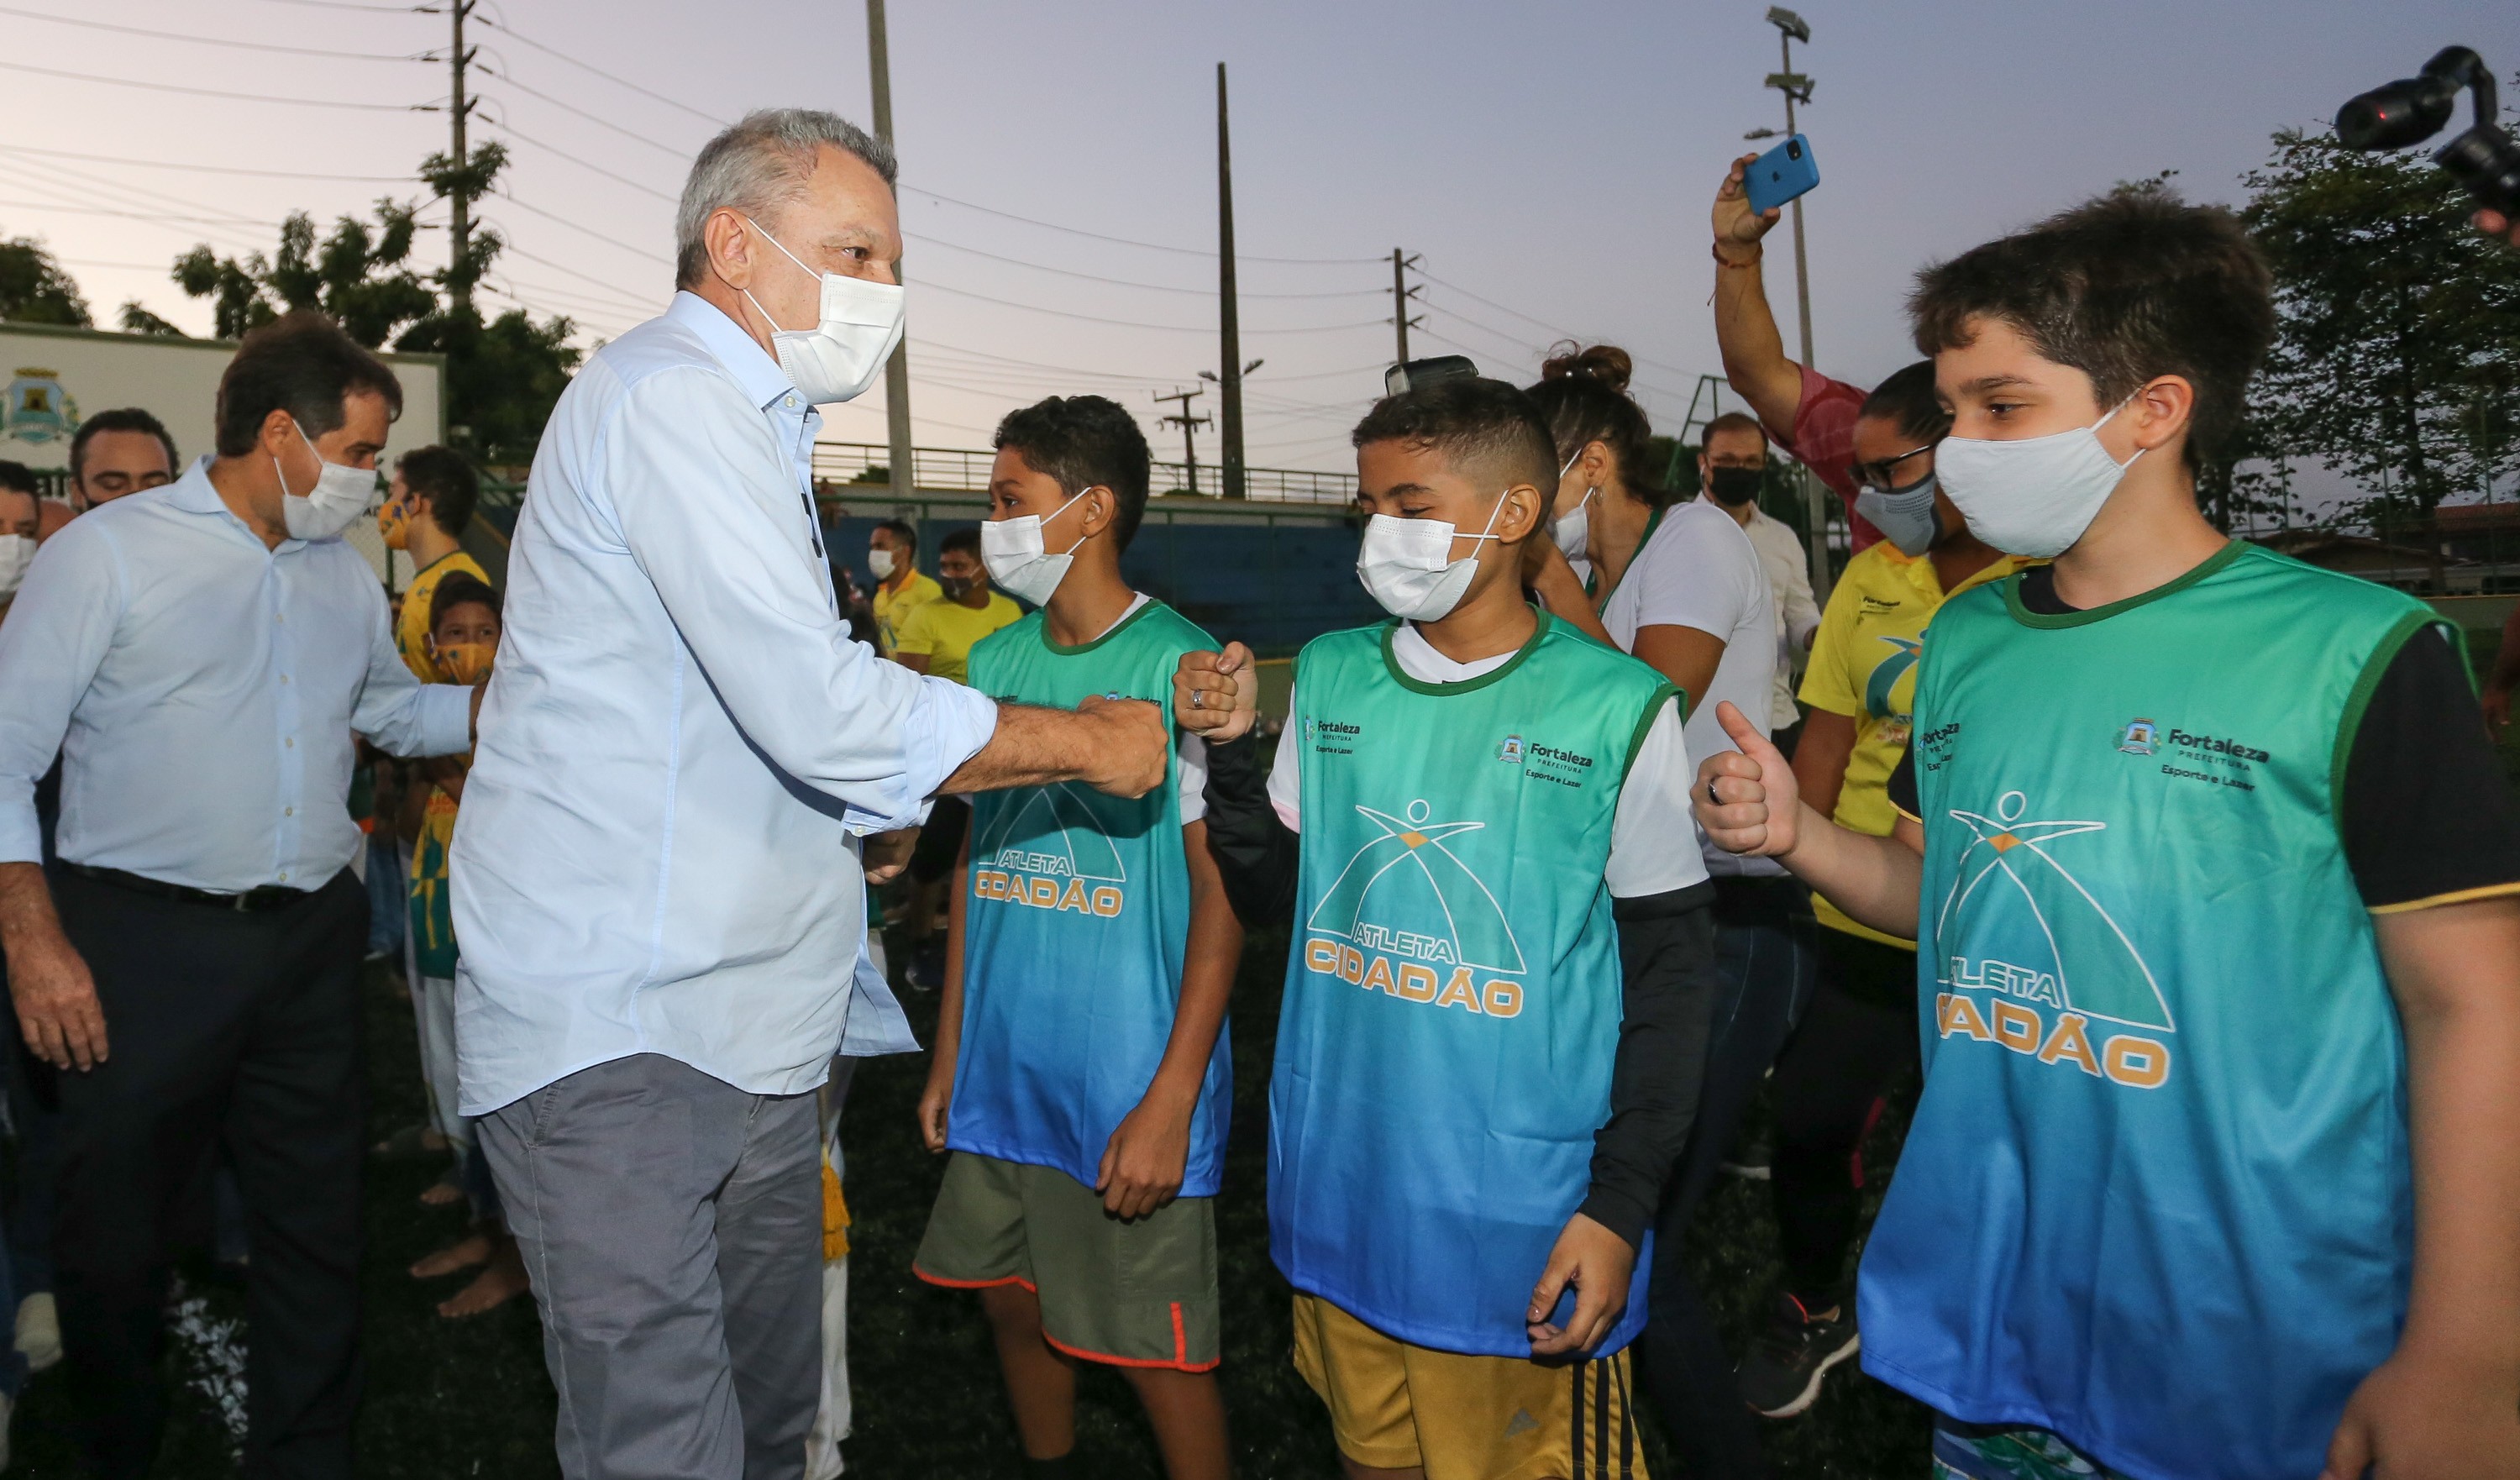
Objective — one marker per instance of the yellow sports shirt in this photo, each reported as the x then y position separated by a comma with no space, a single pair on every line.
945,630
893,608
412,630
1864,667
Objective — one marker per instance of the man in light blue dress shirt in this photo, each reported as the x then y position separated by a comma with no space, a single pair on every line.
191,966
659,884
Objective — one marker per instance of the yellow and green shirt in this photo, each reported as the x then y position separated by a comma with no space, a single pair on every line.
1864,667
893,608
945,631
411,631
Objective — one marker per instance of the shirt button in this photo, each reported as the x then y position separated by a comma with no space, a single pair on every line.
289,811
284,678
791,403
290,742
284,876
279,617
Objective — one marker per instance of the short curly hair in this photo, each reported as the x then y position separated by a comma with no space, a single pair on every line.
1083,441
1481,426
2124,288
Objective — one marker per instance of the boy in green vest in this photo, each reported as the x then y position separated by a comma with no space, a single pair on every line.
1497,1002
1082,1076
2216,888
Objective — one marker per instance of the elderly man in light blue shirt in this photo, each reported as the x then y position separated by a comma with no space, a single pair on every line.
659,885
198,656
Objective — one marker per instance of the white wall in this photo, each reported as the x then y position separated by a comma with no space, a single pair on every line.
71,373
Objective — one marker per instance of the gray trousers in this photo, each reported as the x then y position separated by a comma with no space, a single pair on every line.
672,1226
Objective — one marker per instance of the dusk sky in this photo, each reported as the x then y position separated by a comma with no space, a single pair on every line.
1553,164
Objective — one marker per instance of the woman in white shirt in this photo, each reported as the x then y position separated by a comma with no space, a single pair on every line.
1680,586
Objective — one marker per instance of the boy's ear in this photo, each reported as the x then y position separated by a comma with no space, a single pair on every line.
1520,515
2167,410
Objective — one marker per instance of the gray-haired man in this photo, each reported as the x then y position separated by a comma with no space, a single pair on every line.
658,882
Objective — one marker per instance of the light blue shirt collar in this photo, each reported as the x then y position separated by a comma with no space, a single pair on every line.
752,367
194,493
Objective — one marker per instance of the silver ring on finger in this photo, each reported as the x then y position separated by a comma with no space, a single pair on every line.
1711,798
1197,699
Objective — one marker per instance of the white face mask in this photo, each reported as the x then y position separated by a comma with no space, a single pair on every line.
1018,560
1408,565
17,553
880,562
1574,532
342,493
2033,495
840,356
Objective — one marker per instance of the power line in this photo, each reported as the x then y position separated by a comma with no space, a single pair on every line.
205,92
352,5
616,81
965,293
1186,252
531,143
1204,292
1542,323
131,216
209,170
626,294
652,256
250,46
509,79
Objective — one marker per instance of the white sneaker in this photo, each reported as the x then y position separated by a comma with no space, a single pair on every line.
40,1337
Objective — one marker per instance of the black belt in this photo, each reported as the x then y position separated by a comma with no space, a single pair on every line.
252,901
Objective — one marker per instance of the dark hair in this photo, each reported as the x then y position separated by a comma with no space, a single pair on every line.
446,480
304,363
1479,425
123,419
901,530
1082,441
458,588
2124,288
1735,421
17,477
1583,398
1907,400
965,539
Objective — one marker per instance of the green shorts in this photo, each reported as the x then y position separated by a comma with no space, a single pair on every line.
1137,1293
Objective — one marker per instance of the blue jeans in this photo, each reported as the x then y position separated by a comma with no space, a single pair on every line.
389,895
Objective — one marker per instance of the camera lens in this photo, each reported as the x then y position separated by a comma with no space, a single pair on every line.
1793,150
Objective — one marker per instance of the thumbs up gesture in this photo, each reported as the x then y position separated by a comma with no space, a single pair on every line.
1746,800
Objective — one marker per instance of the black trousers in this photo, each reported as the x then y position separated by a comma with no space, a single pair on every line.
1858,1036
228,1031
1764,947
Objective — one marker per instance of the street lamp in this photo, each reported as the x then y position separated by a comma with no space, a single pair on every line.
1797,88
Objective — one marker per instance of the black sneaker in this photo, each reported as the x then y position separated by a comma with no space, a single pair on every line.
1781,1375
927,966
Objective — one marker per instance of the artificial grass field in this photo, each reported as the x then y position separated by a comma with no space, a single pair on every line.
447,1399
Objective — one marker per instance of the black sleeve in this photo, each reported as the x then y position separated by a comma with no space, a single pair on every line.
2427,811
1902,785
1255,853
1667,961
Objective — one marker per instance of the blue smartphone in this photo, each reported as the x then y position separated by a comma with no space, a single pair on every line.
1781,174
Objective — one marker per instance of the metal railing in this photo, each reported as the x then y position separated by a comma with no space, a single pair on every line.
962,470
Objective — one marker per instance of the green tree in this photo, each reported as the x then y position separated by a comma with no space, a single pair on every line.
2397,323
502,375
136,319
33,288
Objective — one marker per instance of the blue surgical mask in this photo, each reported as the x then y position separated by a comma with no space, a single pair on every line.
1905,517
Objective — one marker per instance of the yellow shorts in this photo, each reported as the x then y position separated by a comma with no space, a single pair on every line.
1394,1406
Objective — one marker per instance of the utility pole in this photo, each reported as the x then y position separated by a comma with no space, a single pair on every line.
459,224
1228,318
1188,425
1797,88
1401,294
897,371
